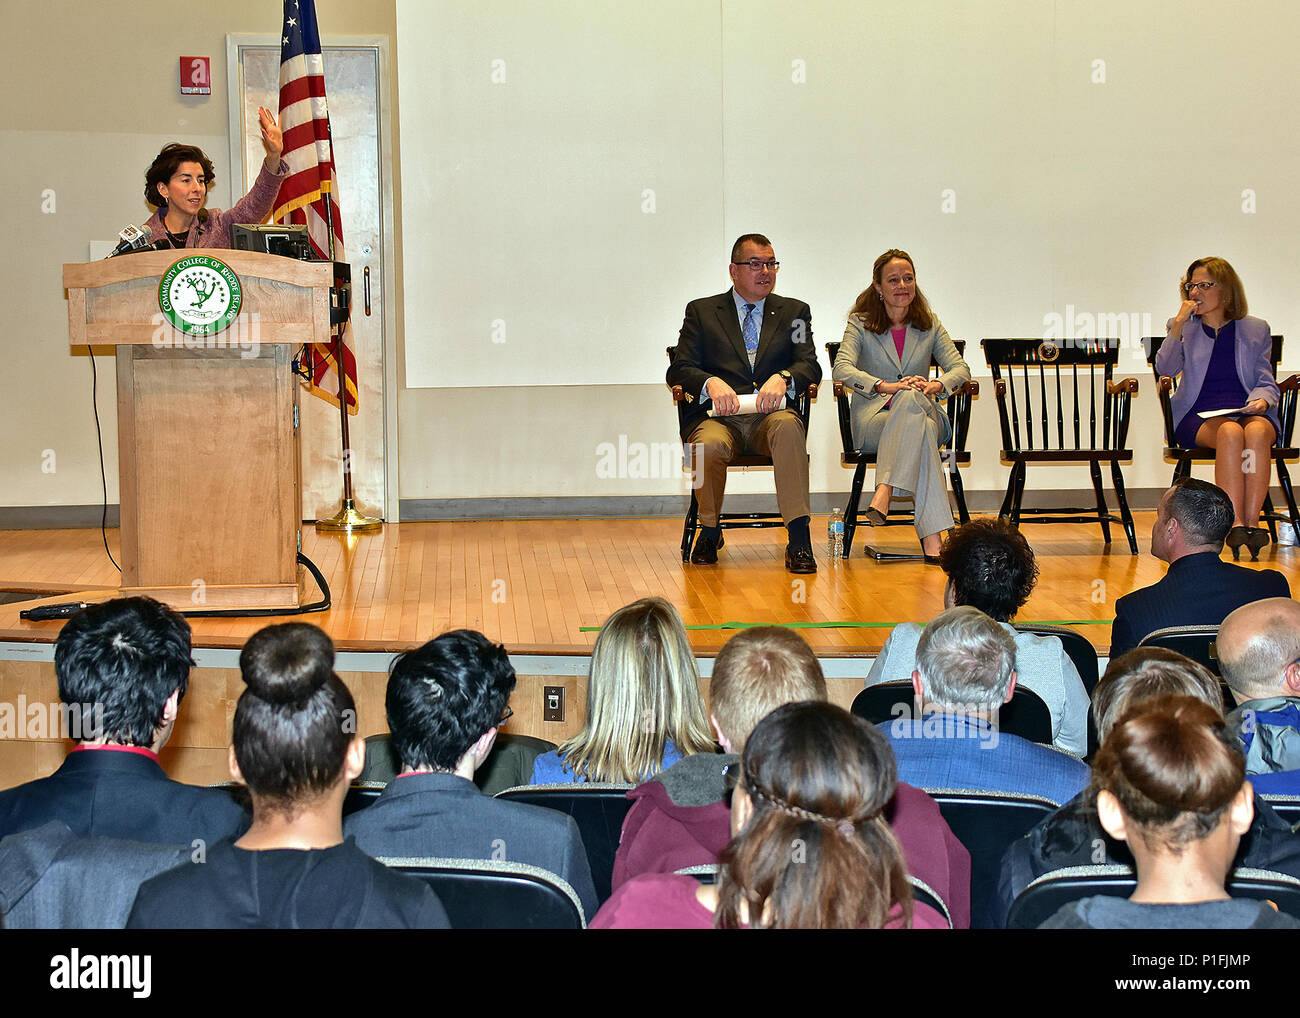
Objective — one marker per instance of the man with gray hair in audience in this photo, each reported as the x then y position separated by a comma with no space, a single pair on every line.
965,671
1259,655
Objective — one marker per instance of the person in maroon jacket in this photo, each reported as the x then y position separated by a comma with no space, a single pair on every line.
177,183
682,816
810,848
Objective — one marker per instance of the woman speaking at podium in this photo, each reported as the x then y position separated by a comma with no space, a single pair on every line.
177,186
1225,359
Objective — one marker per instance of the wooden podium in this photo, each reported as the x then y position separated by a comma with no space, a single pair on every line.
207,426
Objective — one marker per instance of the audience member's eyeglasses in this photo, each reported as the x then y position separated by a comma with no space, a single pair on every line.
756,264
506,715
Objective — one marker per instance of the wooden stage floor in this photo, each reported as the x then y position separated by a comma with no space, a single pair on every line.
545,586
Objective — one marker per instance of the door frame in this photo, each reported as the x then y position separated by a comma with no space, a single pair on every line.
239,121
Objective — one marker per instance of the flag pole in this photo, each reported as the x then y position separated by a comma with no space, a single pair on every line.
347,519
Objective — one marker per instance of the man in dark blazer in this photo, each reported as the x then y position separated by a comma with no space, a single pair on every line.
747,343
1200,589
123,667
445,701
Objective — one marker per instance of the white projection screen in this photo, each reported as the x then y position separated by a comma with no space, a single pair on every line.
574,171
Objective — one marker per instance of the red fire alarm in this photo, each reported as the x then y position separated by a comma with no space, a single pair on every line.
196,76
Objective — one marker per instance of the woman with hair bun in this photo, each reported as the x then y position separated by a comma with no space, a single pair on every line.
1171,783
810,846
296,749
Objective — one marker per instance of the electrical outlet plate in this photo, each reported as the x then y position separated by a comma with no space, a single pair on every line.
552,703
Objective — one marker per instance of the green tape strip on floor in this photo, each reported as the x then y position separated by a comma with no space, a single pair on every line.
863,625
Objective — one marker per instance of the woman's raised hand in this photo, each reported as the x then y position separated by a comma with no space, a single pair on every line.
272,137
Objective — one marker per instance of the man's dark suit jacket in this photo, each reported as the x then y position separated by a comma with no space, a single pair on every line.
1198,590
445,816
710,344
114,794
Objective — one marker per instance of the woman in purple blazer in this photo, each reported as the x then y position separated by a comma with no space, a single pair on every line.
177,186
1224,357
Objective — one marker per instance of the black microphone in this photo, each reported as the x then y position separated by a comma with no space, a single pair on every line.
133,238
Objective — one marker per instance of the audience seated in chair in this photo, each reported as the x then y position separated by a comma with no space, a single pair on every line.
1074,836
295,748
123,667
644,709
1259,655
1171,784
990,566
682,817
815,777
445,702
1199,589
965,670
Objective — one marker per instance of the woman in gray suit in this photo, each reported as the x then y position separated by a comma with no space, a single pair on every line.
885,356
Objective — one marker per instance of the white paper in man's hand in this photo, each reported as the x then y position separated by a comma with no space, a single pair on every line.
748,405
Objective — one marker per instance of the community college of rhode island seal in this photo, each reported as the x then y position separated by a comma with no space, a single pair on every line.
200,295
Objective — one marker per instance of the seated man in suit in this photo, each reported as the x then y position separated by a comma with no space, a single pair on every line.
445,701
682,817
1259,655
1199,589
966,670
123,666
747,341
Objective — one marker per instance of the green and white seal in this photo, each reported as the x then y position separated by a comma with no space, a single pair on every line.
200,295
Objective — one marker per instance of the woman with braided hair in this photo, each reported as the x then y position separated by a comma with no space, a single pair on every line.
810,847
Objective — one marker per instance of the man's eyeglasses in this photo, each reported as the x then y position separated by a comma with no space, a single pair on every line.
1193,287
757,265
506,715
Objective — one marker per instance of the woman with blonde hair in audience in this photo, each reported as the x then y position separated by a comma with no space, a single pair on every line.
810,846
1170,782
644,709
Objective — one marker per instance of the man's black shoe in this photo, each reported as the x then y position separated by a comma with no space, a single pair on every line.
800,560
705,552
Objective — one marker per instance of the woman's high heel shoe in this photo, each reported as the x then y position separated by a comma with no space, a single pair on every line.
1237,537
1257,538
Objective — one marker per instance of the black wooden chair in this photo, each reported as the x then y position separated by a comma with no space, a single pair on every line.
1026,715
802,405
1052,891
485,894
958,410
1058,402
1283,449
599,809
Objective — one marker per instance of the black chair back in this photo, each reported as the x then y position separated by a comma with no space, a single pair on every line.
1084,657
1285,806
487,895
361,794
599,809
1051,892
1026,715
986,823
1195,642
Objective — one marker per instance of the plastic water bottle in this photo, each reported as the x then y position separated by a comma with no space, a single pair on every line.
835,535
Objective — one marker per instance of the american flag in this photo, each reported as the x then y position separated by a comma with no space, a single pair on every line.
311,185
